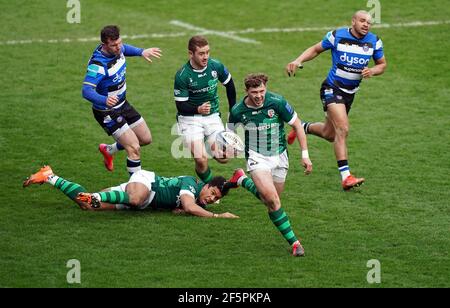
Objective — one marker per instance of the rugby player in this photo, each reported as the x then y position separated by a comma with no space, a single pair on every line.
351,50
144,190
263,115
105,87
197,101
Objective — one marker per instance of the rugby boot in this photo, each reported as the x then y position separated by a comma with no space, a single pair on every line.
107,158
351,182
39,177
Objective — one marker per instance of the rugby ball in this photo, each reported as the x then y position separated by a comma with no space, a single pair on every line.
230,142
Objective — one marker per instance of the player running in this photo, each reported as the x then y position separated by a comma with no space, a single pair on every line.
197,101
144,190
105,87
351,50
263,114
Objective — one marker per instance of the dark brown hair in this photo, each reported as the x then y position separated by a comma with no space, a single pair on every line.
111,32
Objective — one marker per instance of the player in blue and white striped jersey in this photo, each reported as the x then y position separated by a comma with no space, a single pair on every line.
351,50
105,87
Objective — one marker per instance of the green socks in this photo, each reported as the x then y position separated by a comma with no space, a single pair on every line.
114,196
70,189
248,184
205,177
281,221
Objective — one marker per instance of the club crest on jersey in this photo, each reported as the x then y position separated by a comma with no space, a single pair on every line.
271,113
366,47
214,74
119,119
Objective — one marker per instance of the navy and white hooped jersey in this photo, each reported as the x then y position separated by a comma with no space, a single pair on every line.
107,74
350,55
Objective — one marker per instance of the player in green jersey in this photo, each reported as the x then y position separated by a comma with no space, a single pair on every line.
263,115
195,91
144,190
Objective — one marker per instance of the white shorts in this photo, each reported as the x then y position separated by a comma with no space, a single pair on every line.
143,177
199,127
277,165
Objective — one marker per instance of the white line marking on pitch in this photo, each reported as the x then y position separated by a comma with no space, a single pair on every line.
218,33
313,29
94,39
227,34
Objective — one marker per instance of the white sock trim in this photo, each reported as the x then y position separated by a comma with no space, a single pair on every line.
52,179
97,196
345,174
112,148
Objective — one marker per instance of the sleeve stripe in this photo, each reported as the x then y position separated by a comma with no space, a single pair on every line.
379,45
97,69
181,99
90,84
187,192
294,117
331,38
228,79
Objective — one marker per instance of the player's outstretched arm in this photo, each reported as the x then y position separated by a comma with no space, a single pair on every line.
190,207
307,55
154,52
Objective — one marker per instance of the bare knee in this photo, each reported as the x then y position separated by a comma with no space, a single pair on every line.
342,131
272,201
146,140
133,151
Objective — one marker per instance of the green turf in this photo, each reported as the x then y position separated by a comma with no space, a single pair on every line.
399,141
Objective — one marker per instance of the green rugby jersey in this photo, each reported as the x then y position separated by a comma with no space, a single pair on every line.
264,126
168,190
200,86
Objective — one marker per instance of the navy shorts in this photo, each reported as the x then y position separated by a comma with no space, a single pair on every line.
330,95
113,120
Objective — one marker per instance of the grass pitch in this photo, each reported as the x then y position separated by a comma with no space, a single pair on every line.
399,141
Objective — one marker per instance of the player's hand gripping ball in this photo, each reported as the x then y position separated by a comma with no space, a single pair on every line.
229,144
